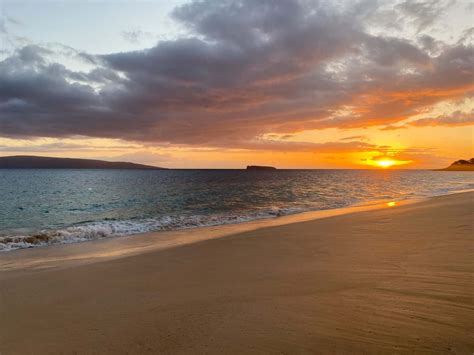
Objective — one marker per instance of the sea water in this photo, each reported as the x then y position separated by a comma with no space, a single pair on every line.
44,207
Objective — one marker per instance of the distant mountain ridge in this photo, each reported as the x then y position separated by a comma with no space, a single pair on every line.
460,165
35,162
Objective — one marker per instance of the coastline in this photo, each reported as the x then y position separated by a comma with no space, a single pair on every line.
78,253
91,211
384,280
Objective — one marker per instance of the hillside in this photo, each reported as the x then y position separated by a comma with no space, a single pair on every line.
34,162
460,165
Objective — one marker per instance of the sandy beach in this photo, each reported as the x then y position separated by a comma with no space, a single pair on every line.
393,280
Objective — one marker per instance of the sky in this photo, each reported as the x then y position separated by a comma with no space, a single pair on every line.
225,84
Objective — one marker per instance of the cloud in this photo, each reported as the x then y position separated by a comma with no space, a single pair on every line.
430,44
53,147
285,146
136,36
392,127
246,69
423,13
6,21
40,146
353,138
457,118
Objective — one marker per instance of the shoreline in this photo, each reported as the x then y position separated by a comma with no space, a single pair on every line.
260,220
112,247
78,253
390,280
75,220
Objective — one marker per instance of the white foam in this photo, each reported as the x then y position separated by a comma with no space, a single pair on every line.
112,228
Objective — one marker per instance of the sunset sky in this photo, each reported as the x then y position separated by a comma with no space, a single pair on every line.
224,84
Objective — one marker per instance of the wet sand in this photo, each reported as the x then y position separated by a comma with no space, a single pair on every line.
393,280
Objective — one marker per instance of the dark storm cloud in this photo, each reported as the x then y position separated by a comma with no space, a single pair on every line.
247,68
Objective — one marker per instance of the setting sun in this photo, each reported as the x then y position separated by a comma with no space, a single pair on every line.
386,163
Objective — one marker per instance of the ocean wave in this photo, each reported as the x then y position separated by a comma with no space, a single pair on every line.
115,228
109,227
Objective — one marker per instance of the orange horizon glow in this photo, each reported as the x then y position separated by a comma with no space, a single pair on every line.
386,163
389,150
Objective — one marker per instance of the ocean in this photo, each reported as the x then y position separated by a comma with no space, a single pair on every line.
44,207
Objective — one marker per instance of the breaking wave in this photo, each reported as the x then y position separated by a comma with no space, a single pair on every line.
114,228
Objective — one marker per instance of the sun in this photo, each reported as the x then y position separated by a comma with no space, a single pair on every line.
385,163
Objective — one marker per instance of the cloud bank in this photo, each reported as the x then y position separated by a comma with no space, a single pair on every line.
246,69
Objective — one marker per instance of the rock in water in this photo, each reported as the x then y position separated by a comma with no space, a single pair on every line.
259,167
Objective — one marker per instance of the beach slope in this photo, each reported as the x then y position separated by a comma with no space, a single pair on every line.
394,280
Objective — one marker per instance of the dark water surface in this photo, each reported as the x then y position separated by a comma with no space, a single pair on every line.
42,207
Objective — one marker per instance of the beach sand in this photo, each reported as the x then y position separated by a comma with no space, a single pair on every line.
392,280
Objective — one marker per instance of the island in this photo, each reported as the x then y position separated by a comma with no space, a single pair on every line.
36,162
460,165
259,167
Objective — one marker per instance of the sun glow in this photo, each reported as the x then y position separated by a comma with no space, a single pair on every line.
386,163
